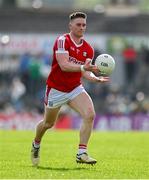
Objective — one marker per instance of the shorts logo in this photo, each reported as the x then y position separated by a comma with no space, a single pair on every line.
50,103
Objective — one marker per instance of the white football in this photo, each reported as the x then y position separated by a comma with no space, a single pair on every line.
105,63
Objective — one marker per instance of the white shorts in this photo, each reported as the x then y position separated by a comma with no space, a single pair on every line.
55,98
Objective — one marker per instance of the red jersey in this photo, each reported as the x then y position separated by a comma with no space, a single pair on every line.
67,81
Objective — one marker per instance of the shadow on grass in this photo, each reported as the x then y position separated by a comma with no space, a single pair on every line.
61,168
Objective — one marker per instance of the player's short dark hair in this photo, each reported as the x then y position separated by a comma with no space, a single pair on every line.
77,15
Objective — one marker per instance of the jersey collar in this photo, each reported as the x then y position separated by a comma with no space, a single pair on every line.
77,45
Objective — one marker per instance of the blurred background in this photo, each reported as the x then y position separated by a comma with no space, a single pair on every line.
27,33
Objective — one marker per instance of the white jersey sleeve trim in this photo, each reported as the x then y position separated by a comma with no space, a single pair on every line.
61,44
61,51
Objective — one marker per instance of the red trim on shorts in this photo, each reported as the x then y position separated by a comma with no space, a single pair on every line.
47,94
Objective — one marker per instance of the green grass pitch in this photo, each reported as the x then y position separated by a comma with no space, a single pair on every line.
120,155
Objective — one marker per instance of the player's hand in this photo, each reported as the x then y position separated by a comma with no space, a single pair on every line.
102,79
88,66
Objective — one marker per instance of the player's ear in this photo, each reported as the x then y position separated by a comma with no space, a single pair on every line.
70,25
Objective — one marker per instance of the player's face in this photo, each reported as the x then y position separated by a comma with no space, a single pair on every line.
78,26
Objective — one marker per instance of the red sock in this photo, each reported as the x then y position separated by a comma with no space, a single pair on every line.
36,143
82,148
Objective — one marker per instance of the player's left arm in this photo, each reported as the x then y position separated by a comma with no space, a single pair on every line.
91,77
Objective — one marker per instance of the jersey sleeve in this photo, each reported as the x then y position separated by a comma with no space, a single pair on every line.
62,45
91,53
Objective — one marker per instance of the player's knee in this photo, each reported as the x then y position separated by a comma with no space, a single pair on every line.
89,115
48,125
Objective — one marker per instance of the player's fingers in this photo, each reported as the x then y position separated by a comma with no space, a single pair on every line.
88,61
104,79
94,67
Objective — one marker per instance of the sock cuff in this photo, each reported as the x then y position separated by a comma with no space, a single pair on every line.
36,141
82,146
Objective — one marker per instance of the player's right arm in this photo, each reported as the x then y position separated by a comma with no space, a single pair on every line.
62,56
65,65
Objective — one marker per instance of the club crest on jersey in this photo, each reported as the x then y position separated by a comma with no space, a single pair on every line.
72,48
77,51
84,54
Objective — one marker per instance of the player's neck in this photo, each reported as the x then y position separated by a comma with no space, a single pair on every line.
77,40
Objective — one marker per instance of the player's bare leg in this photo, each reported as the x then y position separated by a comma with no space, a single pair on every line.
84,105
50,117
